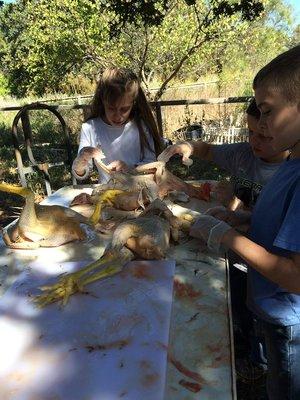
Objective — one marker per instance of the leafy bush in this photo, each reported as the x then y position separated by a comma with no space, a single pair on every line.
3,85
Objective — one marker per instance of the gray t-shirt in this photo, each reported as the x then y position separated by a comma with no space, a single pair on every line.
248,173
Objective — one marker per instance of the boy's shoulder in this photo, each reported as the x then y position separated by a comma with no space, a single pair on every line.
292,167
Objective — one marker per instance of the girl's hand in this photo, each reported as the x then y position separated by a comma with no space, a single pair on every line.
183,148
87,153
80,164
118,166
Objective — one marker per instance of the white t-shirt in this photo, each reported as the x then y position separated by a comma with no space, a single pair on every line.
117,143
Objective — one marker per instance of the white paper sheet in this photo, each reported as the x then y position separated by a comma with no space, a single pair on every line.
105,345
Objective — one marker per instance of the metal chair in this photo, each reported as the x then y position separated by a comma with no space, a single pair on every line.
41,168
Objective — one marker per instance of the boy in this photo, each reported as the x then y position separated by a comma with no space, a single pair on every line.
250,165
273,250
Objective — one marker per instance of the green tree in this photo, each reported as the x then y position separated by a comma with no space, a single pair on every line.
296,36
57,38
13,24
47,42
241,53
194,40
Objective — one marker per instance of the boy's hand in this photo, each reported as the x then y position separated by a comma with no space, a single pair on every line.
224,193
118,166
233,218
183,148
211,230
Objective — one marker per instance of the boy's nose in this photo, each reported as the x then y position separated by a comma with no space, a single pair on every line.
261,124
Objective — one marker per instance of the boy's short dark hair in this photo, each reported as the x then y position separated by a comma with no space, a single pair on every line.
282,74
252,109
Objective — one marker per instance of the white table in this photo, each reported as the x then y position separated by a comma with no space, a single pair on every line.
200,351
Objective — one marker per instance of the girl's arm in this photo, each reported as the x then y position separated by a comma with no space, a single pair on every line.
87,150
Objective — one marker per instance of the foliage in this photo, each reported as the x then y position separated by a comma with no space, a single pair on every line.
148,13
152,12
195,26
296,36
242,53
3,85
57,39
45,44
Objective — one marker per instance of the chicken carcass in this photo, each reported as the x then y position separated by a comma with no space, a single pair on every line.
141,186
42,225
146,237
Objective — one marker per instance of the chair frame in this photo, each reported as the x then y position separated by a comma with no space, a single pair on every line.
42,168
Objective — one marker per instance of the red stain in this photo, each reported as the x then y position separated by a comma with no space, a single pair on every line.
191,386
145,364
221,355
205,191
201,191
214,348
141,272
185,371
181,368
185,290
118,344
222,359
149,379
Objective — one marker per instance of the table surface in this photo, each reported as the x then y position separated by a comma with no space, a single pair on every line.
200,350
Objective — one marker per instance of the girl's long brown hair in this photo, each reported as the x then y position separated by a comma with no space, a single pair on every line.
113,85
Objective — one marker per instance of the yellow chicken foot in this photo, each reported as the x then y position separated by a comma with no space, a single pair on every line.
112,269
106,198
67,285
22,191
74,282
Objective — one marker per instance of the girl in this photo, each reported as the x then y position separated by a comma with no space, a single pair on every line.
120,129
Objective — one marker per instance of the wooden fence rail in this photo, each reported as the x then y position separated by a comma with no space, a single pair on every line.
209,131
158,108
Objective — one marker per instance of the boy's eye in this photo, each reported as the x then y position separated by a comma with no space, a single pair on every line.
265,112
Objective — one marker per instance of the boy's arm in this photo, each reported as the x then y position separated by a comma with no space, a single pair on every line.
186,149
203,150
281,270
